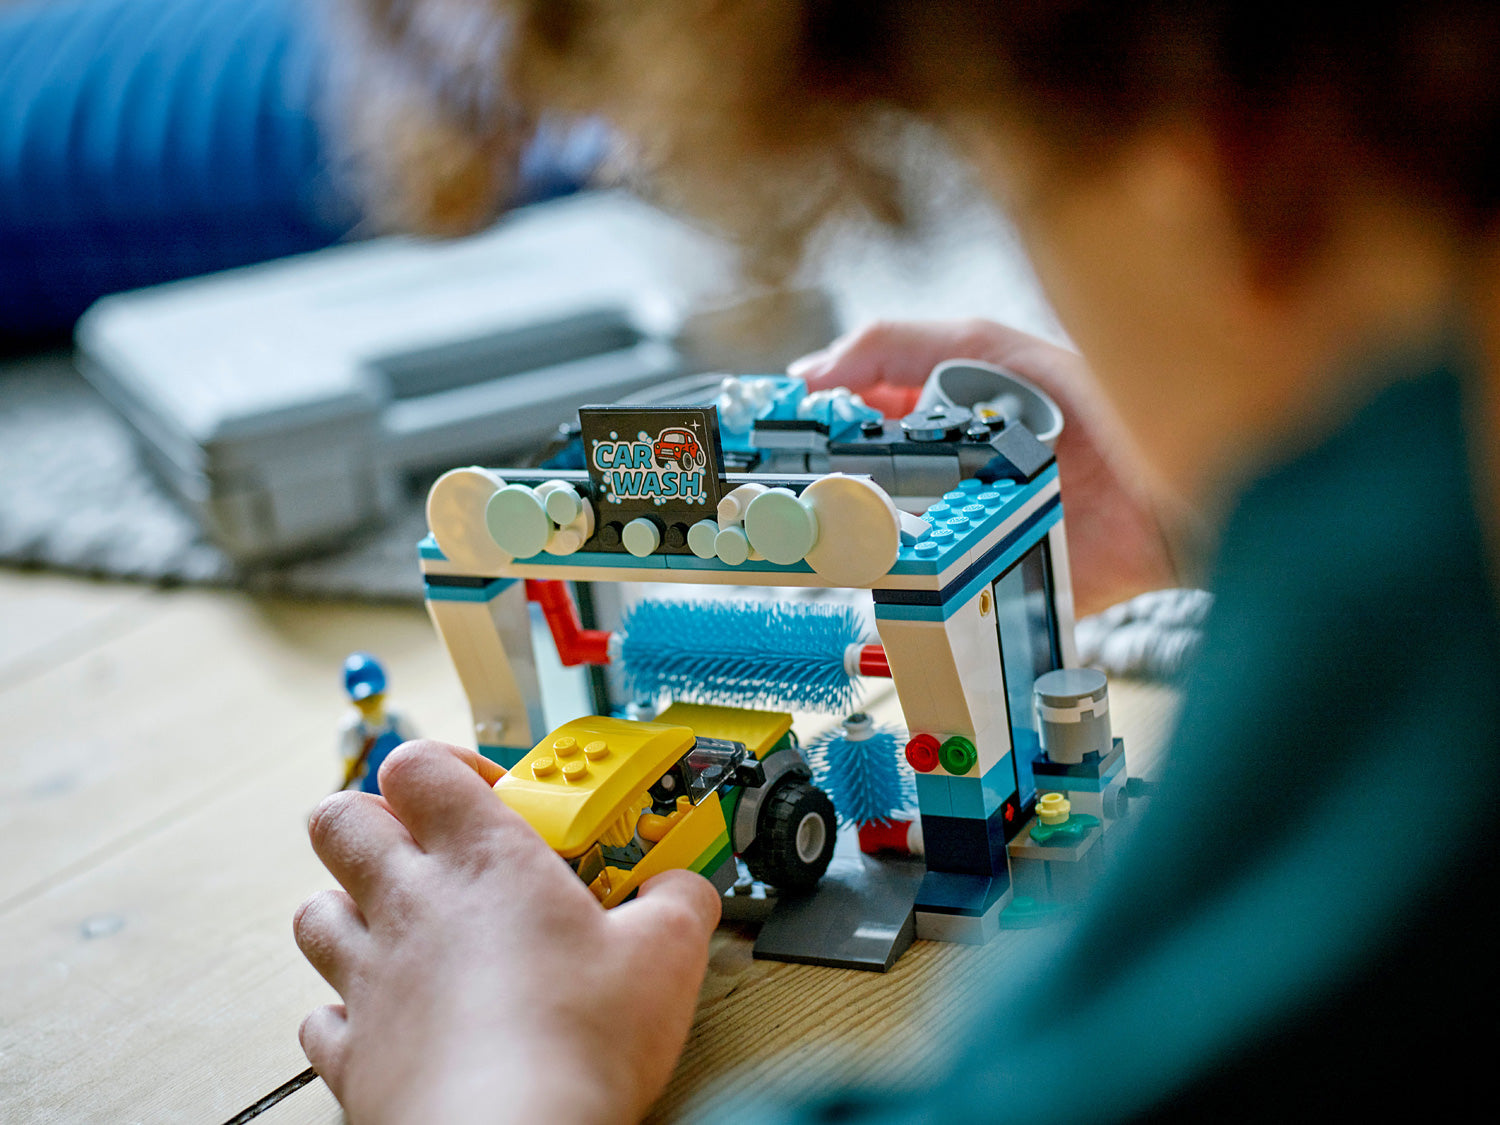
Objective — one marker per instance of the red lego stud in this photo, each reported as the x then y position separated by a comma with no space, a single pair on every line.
922,753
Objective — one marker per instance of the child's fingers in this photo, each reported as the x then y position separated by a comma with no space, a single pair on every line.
889,352
358,840
332,935
674,911
324,1036
440,793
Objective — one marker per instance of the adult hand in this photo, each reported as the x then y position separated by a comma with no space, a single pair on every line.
1116,540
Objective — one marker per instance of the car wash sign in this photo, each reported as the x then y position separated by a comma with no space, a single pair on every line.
662,461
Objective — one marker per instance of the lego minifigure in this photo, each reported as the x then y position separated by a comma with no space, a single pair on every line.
371,730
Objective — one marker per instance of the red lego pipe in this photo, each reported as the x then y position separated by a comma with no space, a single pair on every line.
575,644
891,836
872,662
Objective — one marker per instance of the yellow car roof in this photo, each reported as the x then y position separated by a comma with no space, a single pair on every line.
758,730
585,773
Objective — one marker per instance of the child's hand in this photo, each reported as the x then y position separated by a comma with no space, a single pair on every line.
1117,545
481,980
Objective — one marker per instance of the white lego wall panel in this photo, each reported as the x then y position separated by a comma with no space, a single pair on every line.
490,646
948,679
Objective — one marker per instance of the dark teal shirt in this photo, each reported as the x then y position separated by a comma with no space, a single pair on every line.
1303,909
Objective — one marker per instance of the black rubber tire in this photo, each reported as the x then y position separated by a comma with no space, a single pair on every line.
774,857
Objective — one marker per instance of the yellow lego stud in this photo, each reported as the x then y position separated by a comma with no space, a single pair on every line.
565,747
543,767
596,750
575,771
1053,808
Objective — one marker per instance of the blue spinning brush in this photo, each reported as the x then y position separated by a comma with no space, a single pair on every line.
861,767
745,653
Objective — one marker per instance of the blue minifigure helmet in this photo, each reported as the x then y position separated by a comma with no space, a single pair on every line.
363,676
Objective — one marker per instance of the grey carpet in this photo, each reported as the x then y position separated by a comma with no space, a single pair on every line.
75,496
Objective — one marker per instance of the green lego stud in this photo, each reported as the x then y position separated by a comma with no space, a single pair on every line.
563,504
731,545
641,536
517,522
780,526
957,755
701,537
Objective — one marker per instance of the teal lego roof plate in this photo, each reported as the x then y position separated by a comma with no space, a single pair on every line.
963,517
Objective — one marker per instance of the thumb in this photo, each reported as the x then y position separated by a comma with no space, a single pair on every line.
676,908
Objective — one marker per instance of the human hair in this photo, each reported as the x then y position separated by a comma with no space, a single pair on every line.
768,116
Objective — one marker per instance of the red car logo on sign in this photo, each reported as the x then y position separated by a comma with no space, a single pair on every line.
678,447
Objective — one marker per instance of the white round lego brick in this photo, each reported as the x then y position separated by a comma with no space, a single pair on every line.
734,502
859,530
455,516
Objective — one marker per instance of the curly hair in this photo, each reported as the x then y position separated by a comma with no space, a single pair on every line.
769,116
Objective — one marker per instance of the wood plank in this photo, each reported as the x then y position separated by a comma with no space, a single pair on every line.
210,689
167,968
46,618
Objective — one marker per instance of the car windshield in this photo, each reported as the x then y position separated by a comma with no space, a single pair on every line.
711,764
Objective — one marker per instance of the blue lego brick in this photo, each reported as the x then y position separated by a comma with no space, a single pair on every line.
1082,784
965,845
972,896
964,517
606,559
428,549
1094,768
967,798
446,588
933,798
506,756
997,786
693,562
927,605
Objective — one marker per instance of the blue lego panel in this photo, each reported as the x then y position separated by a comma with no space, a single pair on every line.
933,797
453,588
1094,768
607,559
428,549
944,892
506,756
693,562
974,511
1081,784
997,786
964,845
966,797
927,605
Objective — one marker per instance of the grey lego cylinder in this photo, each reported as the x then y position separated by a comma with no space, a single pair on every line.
1072,706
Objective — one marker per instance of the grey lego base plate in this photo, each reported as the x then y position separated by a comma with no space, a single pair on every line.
860,916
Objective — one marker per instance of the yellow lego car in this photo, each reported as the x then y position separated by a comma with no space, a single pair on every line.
622,800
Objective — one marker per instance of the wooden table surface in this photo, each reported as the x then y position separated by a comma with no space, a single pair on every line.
160,752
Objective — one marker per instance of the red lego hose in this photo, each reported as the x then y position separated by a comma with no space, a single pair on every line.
575,644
